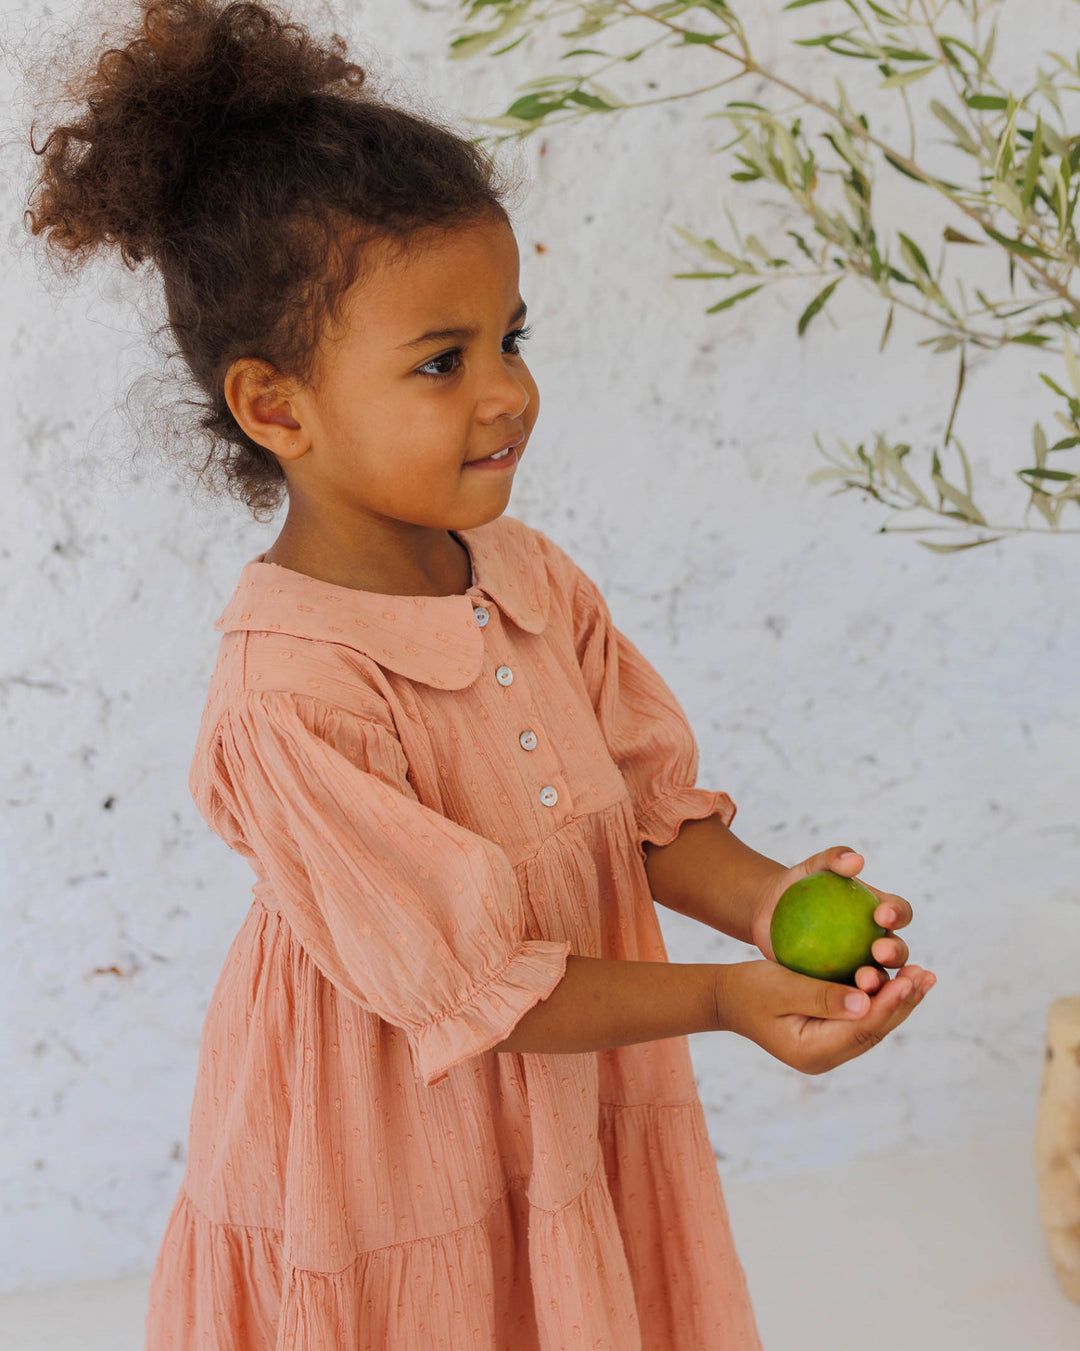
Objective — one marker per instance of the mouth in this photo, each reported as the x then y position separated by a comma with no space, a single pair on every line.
507,454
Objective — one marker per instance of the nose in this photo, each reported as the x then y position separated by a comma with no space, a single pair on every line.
514,396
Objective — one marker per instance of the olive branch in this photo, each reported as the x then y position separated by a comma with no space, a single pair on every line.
1018,201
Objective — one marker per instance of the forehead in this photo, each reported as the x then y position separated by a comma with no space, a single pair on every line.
442,279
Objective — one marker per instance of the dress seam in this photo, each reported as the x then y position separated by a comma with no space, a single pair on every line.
478,990
573,821
648,1106
636,811
657,799
243,675
626,799
519,1180
229,1224
647,808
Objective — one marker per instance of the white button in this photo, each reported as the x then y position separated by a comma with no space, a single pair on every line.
504,675
548,796
528,740
481,615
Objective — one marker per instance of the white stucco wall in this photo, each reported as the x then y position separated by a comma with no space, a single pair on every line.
846,686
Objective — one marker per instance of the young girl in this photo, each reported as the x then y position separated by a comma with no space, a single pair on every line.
444,1098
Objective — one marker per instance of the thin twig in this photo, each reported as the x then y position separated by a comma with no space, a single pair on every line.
856,128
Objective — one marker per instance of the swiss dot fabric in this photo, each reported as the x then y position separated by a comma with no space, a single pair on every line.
364,1172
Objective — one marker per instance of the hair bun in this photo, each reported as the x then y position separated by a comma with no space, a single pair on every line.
164,108
239,153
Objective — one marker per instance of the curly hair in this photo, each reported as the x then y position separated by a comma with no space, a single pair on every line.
250,163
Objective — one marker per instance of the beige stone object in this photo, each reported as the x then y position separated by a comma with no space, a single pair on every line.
1057,1143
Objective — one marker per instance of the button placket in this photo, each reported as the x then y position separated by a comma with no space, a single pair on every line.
527,739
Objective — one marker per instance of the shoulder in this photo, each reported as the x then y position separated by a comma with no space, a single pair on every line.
268,745
271,733
268,676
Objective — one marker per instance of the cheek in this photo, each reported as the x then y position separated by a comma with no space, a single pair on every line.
349,419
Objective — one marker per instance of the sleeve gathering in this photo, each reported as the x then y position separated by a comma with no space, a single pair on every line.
413,916
644,726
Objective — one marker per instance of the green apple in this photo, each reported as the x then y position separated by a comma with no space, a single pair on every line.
823,926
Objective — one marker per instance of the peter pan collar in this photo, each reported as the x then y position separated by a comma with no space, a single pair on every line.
433,639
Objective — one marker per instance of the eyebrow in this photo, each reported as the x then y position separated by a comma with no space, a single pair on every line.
438,334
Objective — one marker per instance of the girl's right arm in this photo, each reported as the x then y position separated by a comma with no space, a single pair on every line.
803,1022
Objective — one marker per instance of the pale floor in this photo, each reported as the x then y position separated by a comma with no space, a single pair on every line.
942,1253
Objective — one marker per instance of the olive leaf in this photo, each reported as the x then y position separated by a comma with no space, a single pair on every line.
1017,198
815,305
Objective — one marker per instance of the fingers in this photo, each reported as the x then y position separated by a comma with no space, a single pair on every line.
806,1023
833,1000
870,978
896,999
841,858
891,912
890,951
916,978
886,1010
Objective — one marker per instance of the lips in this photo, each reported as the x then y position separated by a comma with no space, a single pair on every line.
504,446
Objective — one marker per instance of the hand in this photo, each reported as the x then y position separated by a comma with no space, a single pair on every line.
802,1021
891,912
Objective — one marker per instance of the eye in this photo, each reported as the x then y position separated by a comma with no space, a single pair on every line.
518,335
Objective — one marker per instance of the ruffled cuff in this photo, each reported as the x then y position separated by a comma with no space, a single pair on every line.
491,1012
660,819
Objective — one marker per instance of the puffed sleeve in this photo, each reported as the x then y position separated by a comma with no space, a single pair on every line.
413,916
643,723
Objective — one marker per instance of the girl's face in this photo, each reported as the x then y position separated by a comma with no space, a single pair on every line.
376,454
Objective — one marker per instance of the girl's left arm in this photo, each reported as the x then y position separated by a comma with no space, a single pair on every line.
706,872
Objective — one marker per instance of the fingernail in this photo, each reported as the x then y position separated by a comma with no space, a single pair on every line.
855,1003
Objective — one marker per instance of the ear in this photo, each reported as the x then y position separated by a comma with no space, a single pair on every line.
259,398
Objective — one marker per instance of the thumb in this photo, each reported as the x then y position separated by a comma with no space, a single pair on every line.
831,999
841,858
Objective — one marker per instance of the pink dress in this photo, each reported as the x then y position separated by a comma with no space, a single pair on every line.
441,797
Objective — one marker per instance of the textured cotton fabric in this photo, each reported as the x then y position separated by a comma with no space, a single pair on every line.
441,798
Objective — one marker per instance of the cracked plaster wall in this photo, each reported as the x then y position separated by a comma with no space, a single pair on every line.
846,686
